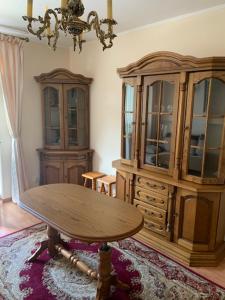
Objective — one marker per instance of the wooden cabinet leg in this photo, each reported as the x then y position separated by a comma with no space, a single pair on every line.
104,273
53,239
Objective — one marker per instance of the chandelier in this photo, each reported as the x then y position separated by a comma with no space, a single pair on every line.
67,19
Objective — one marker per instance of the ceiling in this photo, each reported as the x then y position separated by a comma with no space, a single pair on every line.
129,14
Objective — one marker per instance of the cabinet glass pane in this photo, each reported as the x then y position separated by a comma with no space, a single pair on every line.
52,116
163,155
165,127
195,161
129,98
201,92
212,163
127,144
167,97
151,153
217,106
128,118
152,126
159,123
128,126
73,137
198,132
214,133
154,93
207,128
52,136
76,113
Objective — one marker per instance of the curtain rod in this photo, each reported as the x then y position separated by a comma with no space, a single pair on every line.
15,36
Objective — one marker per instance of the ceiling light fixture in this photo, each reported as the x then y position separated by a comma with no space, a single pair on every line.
67,19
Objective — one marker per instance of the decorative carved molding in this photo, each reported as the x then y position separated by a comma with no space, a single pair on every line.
62,76
164,62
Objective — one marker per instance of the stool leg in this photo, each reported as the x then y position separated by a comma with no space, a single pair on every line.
94,184
110,190
102,190
85,182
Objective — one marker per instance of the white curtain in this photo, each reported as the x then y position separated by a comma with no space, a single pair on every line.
11,71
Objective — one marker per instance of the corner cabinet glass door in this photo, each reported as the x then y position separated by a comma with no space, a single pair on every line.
76,112
53,133
128,120
204,136
159,117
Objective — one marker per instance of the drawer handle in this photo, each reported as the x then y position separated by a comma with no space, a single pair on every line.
153,214
155,186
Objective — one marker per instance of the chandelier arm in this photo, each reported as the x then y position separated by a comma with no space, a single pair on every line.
45,21
93,21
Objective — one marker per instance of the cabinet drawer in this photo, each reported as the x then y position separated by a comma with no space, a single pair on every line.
152,185
151,213
158,228
151,198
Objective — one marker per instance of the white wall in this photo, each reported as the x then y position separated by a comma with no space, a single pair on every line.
199,35
38,59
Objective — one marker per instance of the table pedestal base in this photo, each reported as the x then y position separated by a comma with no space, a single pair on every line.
54,244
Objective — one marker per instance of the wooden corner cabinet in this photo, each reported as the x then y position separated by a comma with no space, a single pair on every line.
65,106
172,165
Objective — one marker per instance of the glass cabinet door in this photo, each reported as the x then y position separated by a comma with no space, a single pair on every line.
52,119
128,118
76,112
158,122
205,129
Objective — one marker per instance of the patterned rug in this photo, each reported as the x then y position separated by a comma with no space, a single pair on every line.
150,274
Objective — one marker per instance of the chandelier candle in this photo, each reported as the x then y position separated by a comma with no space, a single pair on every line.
64,3
67,18
29,8
48,28
109,9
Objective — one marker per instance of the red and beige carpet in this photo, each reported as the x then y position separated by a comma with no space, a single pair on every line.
150,275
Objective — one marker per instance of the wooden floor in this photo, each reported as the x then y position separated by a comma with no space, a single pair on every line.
12,219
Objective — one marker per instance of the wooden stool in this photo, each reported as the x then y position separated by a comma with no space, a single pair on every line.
107,181
93,176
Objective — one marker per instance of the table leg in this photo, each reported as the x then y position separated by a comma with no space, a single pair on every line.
104,272
42,247
53,239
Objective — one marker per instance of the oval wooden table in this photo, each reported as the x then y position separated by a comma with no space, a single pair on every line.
85,215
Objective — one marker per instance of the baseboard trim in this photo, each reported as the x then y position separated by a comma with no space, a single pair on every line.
5,200
185,256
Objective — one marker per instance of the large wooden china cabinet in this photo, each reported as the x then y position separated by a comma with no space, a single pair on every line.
65,105
172,165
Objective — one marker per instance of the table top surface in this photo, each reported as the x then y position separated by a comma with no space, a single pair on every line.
82,213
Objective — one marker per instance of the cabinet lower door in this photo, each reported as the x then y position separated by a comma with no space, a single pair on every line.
73,171
124,186
52,172
196,220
